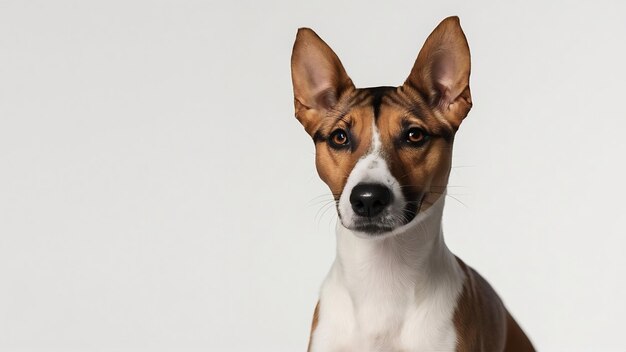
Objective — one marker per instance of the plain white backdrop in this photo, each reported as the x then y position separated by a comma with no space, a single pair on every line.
157,194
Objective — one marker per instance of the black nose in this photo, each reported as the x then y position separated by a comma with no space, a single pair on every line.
369,199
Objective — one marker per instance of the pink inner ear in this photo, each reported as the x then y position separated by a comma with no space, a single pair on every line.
327,98
320,82
444,76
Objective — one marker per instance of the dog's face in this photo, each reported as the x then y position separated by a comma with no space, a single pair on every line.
384,152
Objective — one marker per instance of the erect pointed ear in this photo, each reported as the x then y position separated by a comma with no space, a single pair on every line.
442,69
318,77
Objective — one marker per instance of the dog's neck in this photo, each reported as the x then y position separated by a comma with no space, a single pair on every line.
414,260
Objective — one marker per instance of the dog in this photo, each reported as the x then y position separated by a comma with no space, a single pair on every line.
385,153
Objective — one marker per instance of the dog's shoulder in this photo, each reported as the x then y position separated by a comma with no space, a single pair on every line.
480,316
481,320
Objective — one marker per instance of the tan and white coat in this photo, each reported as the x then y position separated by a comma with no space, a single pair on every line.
400,289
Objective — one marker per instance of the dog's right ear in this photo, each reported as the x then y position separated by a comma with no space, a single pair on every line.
318,78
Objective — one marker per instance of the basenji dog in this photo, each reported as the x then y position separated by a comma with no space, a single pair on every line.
385,153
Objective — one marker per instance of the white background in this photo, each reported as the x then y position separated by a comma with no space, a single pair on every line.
157,194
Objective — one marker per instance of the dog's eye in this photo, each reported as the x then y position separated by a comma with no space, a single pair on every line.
416,136
339,139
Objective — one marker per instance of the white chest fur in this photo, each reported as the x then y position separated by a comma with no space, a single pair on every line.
397,293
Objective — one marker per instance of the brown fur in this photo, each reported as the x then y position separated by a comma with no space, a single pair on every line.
482,322
428,181
334,166
435,98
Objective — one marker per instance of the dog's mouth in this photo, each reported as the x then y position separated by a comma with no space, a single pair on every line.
374,203
385,223
372,227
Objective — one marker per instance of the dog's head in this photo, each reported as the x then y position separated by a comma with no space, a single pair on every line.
384,152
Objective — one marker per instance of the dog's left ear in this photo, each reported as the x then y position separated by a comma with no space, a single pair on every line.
442,69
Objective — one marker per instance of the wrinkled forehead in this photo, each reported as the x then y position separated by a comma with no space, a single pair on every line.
385,110
354,113
398,109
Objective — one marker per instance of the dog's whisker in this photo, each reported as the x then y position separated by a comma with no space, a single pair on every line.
321,211
458,200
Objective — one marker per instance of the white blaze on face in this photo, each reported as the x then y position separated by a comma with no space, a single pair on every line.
372,168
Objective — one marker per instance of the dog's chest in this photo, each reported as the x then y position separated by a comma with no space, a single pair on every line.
387,318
